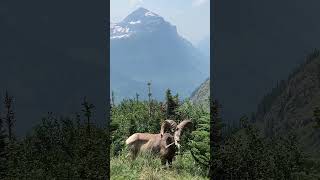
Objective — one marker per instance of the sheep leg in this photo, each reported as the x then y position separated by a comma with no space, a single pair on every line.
132,153
170,162
163,162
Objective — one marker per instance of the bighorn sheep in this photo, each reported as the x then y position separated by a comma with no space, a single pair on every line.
163,144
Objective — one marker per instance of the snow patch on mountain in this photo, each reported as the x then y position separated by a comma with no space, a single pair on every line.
119,29
135,22
120,36
119,32
150,14
141,21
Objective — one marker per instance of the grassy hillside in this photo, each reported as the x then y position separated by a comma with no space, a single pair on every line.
132,115
146,167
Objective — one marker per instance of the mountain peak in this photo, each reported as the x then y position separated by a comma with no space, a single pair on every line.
142,9
140,21
141,14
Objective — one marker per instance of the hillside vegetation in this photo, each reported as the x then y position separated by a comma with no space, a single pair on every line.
147,167
257,44
133,115
279,142
291,104
57,148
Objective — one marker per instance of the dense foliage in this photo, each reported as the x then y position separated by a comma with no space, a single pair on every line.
77,148
132,115
59,147
242,153
246,154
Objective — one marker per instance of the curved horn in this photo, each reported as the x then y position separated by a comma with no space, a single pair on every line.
180,128
168,125
184,124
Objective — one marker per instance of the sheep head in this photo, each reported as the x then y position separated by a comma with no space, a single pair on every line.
167,141
171,127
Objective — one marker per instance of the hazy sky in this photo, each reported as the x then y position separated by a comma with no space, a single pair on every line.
192,17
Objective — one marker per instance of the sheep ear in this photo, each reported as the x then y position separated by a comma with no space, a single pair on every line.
168,126
185,124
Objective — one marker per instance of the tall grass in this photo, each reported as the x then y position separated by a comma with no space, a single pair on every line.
148,167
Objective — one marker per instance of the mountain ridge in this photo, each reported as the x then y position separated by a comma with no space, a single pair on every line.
200,96
154,51
140,21
254,48
290,108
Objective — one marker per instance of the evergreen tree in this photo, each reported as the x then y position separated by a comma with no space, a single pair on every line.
11,150
112,99
253,118
9,115
316,116
87,110
171,105
269,130
149,96
216,141
3,147
200,143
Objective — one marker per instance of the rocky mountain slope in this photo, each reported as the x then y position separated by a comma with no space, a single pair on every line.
202,94
145,47
255,45
291,108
